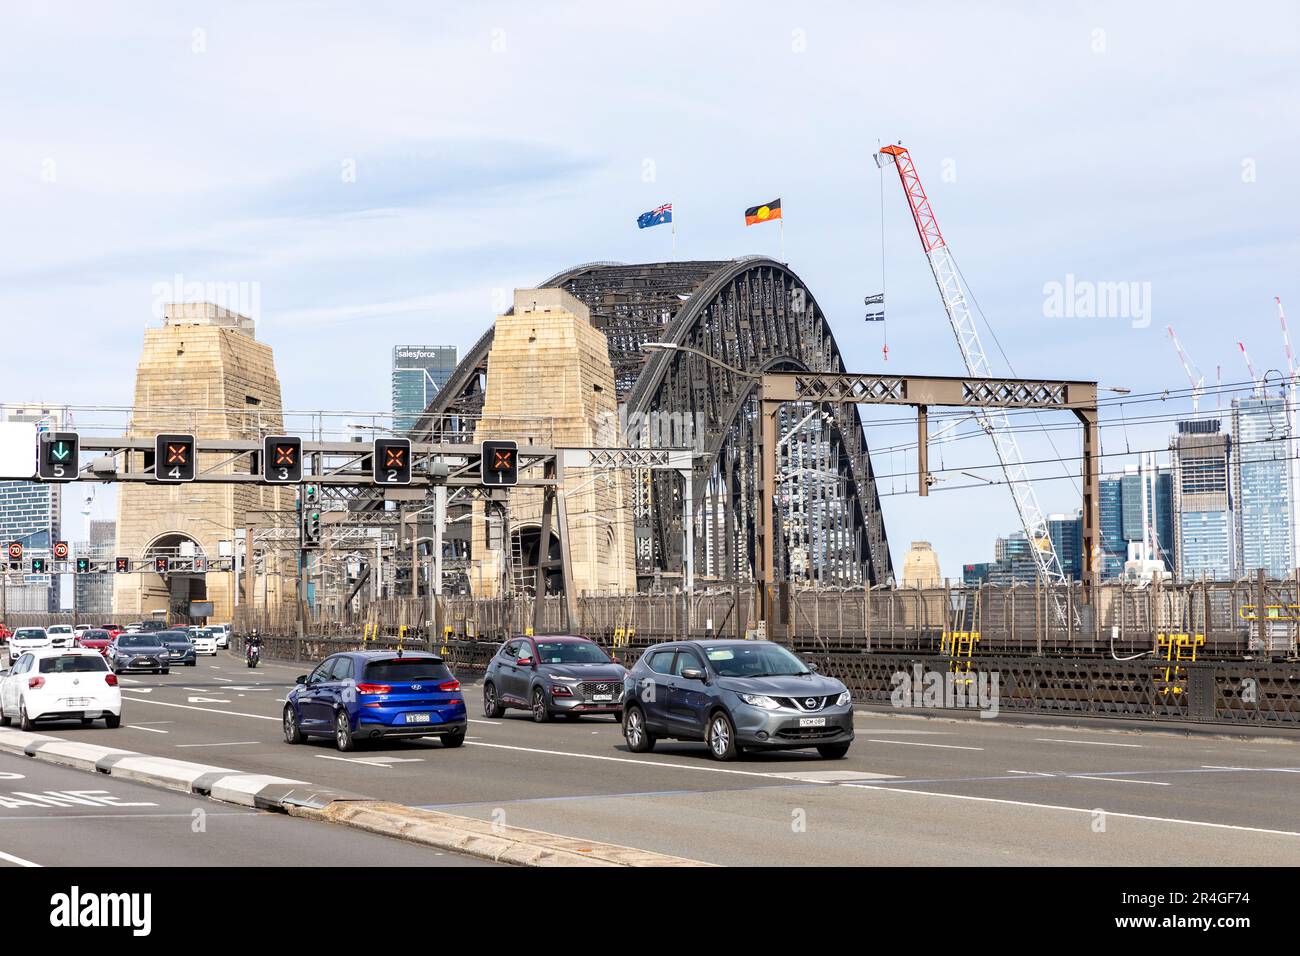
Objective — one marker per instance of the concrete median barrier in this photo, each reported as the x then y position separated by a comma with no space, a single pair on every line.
502,844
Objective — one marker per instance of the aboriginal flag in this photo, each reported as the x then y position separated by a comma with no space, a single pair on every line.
767,211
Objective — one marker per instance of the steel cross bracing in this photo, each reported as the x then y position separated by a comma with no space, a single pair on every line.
995,423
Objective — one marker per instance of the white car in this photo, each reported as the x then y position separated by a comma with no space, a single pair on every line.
205,641
61,635
80,629
27,639
60,684
222,633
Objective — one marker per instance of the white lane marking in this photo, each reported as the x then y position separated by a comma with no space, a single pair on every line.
1033,773
1089,811
837,776
207,700
917,743
368,763
225,680
152,730
18,860
1084,776
643,763
1089,743
1255,769
206,710
398,759
233,743
491,723
910,733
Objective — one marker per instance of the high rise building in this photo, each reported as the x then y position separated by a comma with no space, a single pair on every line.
1205,529
921,567
1261,485
29,514
1159,517
1066,532
1114,548
419,372
1013,561
94,592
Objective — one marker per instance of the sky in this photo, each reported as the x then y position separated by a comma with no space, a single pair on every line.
366,174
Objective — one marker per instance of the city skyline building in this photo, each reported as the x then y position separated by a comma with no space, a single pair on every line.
1261,486
419,372
30,513
1205,529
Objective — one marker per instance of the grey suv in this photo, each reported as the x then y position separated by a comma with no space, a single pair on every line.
735,695
553,675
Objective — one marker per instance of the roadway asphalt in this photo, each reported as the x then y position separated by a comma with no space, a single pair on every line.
911,791
57,816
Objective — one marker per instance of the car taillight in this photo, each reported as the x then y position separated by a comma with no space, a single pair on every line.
110,680
374,689
449,685
35,683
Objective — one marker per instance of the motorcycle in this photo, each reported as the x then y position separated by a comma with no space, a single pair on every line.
253,653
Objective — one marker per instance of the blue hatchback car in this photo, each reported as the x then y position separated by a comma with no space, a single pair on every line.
365,695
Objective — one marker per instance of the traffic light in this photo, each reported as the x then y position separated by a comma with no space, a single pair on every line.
499,463
200,564
173,458
391,464
60,550
83,566
122,565
162,565
282,459
309,524
38,565
57,456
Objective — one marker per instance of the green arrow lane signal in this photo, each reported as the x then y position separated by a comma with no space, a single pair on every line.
58,458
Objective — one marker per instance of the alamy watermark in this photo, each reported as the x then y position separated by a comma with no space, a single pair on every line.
1084,299
937,689
244,298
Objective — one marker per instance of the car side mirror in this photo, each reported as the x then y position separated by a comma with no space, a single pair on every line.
300,679
525,662
693,673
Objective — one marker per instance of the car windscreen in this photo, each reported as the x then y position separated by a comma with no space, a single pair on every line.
753,660
137,640
403,670
73,664
95,636
570,652
29,633
173,637
207,632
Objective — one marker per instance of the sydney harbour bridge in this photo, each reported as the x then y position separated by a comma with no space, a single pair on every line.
687,342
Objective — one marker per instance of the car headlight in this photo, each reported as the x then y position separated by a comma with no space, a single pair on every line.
758,700
844,698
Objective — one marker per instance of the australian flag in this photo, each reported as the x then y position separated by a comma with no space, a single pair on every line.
655,217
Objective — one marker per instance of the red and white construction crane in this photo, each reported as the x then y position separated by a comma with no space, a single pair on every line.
1193,373
1254,379
993,421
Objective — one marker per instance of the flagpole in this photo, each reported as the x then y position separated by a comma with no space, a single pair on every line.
674,225
781,222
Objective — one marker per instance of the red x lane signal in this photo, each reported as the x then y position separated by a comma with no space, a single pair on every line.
499,463
282,459
391,464
173,458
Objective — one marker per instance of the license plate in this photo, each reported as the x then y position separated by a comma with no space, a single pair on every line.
76,702
812,721
599,697
417,718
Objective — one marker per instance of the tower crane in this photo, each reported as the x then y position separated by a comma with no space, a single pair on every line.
1293,446
1193,373
1254,379
993,421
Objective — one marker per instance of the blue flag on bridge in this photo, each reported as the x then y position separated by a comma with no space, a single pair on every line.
655,217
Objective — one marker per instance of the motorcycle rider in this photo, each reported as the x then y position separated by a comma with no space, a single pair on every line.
253,647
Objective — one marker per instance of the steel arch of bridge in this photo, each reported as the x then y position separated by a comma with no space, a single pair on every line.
751,313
